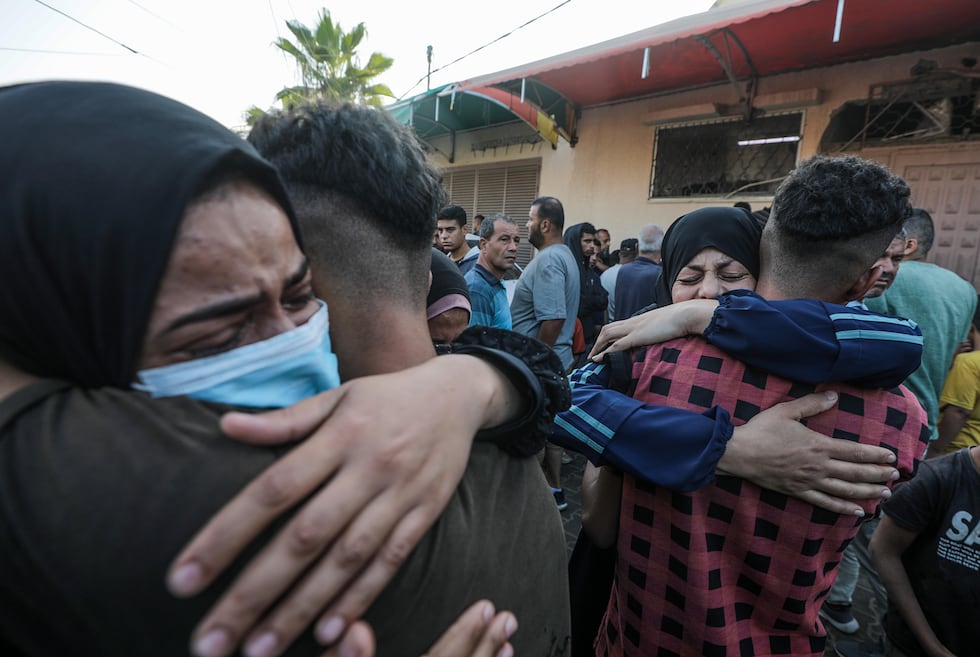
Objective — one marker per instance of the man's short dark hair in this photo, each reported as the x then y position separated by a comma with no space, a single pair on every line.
551,209
454,212
587,228
831,218
355,174
831,198
919,227
489,223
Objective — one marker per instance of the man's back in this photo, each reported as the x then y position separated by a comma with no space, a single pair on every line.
733,569
548,289
101,488
942,304
635,286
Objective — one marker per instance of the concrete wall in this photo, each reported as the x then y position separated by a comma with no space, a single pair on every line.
605,178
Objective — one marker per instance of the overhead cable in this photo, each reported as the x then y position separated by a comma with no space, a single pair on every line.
490,43
89,27
62,52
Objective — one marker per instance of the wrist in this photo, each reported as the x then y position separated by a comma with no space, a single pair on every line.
700,315
526,389
491,398
734,461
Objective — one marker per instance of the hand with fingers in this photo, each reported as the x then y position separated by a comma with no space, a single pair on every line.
480,631
775,451
373,483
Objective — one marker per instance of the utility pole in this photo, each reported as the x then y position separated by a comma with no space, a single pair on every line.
428,73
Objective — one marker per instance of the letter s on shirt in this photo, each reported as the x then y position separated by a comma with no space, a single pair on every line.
960,526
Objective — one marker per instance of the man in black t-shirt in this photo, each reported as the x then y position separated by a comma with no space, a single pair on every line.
927,552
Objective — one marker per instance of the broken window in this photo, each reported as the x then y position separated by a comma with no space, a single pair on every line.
932,108
725,157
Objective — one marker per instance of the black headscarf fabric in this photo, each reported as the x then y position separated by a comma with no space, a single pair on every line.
94,181
573,240
730,230
446,282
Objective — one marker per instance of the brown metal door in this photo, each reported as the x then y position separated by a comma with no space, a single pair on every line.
947,185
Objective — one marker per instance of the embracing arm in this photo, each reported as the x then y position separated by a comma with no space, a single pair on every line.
800,339
610,428
816,342
684,450
373,483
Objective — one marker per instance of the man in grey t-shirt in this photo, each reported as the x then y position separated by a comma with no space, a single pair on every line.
545,302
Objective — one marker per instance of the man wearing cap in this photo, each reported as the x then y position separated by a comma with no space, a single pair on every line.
624,255
636,281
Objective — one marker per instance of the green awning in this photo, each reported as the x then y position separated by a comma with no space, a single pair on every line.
450,109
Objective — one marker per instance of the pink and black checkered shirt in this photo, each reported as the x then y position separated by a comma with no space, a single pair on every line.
733,569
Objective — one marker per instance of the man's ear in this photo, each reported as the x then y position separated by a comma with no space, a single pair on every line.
544,225
861,286
911,245
483,243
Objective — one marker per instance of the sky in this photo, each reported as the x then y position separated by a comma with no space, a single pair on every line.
217,55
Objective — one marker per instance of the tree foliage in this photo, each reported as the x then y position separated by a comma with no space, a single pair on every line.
329,66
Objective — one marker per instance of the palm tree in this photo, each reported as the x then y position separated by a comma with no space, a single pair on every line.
329,66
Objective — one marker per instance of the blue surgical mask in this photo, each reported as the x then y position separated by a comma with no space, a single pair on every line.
273,373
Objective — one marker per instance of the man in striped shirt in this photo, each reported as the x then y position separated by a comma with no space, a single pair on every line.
499,238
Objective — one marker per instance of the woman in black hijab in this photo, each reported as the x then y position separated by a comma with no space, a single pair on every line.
726,230
90,215
729,231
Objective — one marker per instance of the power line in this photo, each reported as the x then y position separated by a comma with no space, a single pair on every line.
275,24
89,27
151,13
62,52
490,43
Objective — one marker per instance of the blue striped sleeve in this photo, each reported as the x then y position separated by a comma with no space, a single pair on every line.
816,342
663,445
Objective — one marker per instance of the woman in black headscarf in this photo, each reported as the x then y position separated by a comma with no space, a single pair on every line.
728,231
692,248
90,215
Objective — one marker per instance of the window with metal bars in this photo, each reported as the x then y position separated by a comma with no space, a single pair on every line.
725,158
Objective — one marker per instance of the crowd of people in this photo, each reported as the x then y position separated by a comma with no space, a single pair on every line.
219,433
